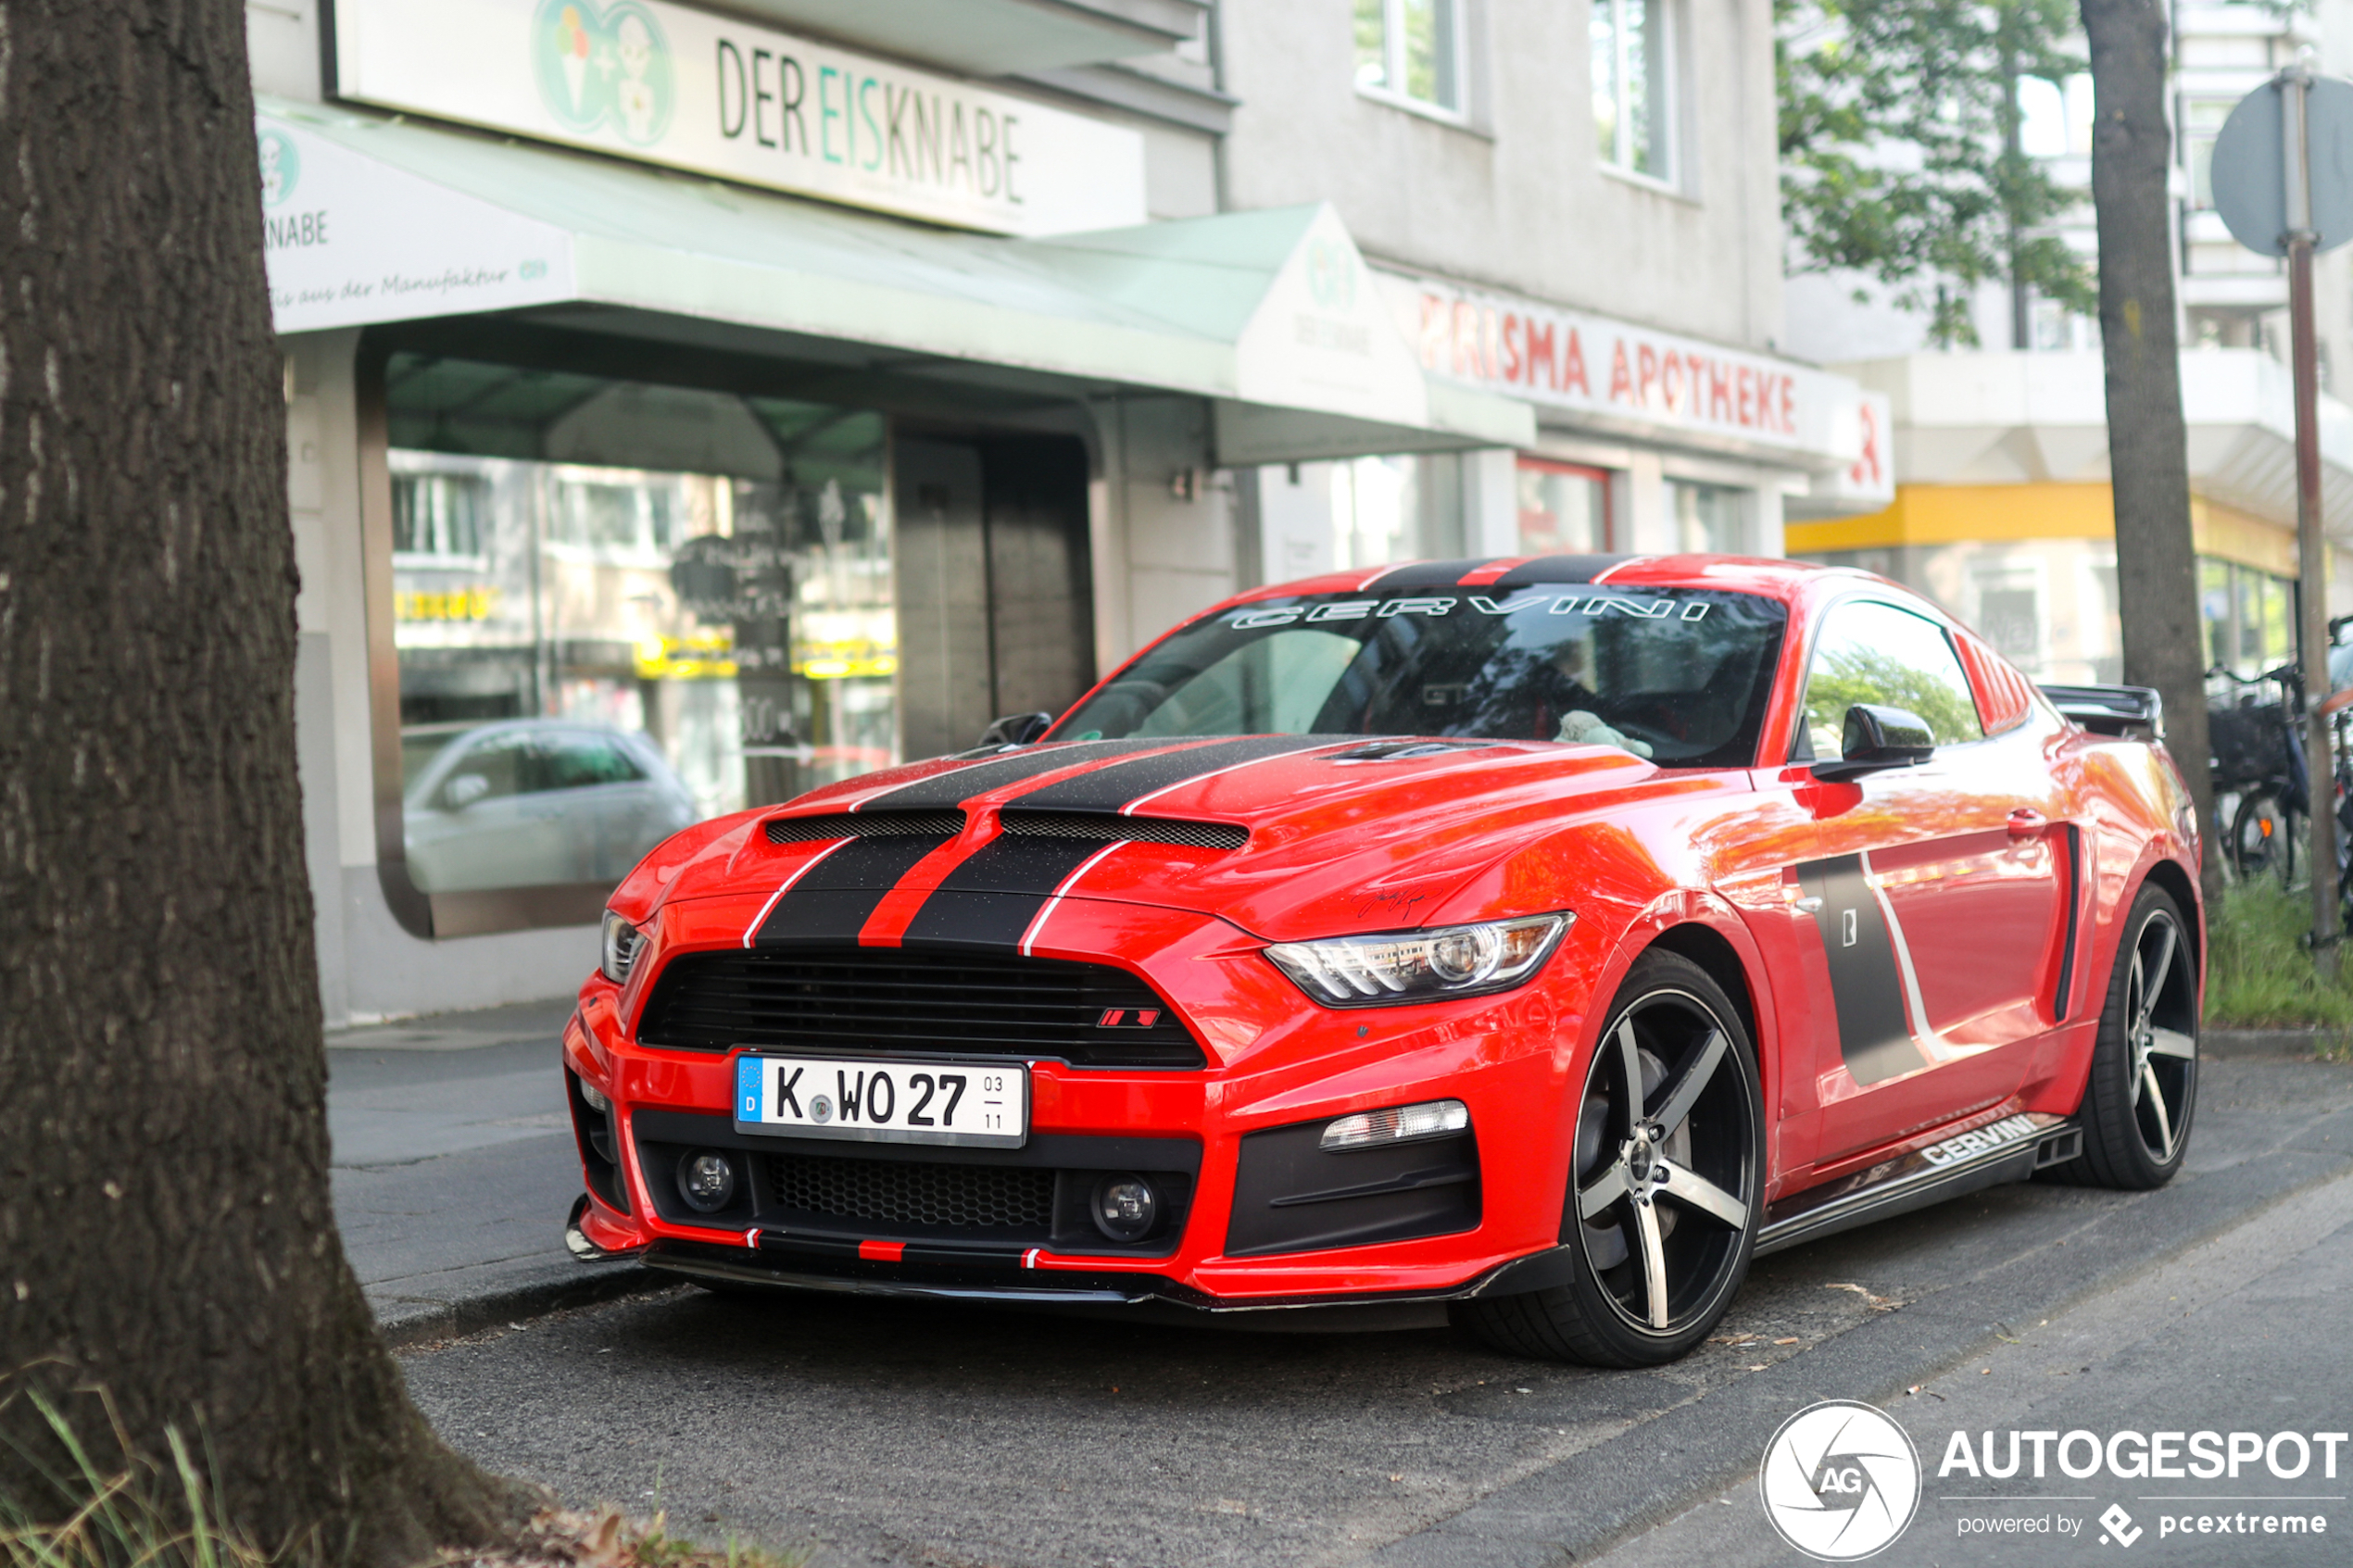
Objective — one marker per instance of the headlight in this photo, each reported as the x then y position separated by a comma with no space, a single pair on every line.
1407,966
622,942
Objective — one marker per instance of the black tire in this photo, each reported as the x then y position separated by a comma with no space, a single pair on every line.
2141,1094
1664,1203
2263,838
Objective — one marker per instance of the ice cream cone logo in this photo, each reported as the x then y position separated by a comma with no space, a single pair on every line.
281,167
603,70
571,51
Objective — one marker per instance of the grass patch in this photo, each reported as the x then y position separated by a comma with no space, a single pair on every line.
133,1514
126,1515
2257,973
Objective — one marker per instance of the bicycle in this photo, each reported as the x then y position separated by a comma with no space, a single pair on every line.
2257,758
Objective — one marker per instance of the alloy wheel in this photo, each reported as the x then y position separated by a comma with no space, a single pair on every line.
2161,1011
1665,1164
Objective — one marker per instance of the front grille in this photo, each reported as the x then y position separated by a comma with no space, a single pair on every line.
1110,828
889,1194
874,824
880,1001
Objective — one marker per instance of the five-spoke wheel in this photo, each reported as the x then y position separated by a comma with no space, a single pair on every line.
2143,1089
1666,1184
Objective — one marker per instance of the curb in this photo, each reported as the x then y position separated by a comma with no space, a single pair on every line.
496,1308
2266,1044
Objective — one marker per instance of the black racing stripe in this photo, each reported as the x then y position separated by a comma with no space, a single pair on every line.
989,900
833,903
1557,569
1874,1037
1425,576
962,783
1108,789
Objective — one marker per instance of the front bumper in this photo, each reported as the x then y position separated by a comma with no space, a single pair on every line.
1254,1220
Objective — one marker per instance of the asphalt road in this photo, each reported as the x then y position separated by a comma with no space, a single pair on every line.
906,1433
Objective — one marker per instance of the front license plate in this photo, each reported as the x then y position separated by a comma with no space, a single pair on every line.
983,1107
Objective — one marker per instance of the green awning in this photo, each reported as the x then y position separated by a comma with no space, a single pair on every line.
1272,315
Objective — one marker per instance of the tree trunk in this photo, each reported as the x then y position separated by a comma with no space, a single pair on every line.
2147,446
166,1233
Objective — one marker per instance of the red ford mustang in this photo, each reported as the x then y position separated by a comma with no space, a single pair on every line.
1543,940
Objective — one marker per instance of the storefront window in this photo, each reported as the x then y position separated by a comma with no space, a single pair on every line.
1709,518
1396,508
1564,509
2249,616
620,608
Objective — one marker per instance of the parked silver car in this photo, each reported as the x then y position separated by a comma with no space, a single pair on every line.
526,802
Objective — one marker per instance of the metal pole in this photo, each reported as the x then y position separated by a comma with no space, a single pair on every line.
2312,621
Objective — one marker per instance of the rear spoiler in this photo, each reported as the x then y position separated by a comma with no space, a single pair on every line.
2131,712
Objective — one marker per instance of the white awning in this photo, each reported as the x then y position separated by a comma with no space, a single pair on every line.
1272,315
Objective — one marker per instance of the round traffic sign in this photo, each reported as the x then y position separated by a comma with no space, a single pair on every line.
2248,177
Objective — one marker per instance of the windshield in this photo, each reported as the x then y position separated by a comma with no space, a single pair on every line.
1680,675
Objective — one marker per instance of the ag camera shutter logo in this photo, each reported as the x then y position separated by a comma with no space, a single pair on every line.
1841,1481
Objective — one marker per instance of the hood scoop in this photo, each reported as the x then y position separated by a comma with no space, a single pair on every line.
1110,827
872,824
1404,750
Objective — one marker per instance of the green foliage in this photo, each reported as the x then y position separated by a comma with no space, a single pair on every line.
1899,149
2257,973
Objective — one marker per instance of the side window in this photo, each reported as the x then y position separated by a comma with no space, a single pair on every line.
583,761
1875,653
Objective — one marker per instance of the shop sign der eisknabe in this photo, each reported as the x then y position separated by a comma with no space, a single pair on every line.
667,84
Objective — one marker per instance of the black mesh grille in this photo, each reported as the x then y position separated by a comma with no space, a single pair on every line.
892,1194
880,1001
876,825
1110,827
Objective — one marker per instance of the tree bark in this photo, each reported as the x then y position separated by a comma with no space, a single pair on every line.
166,1232
2147,446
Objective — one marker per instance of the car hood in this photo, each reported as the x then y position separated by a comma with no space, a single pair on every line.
1343,834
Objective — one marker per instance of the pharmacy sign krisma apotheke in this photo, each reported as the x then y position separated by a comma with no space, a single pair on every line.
672,85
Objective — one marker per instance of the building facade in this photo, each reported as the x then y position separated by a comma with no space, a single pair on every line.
2003,510
690,406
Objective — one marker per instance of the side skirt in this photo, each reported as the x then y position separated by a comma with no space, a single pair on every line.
2008,1151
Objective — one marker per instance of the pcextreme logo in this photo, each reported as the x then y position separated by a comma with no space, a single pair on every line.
1841,1481
599,68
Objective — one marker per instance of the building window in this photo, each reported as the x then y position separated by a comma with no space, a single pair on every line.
1564,509
1412,50
1633,71
1396,508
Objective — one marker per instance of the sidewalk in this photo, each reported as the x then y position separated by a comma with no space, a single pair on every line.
454,1169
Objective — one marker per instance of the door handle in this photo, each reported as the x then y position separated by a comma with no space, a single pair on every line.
2027,823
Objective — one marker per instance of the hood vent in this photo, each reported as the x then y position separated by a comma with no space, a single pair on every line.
871,824
1108,827
1404,750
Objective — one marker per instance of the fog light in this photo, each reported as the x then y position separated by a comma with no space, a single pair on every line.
596,1101
1126,1207
1399,1123
707,1181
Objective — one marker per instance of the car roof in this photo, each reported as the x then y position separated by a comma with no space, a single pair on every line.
1772,577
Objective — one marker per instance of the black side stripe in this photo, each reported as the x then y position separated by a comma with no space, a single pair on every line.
955,787
1557,569
989,900
1874,1036
1122,784
849,884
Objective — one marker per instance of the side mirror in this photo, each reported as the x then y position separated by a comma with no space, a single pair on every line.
463,791
1877,738
1017,729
